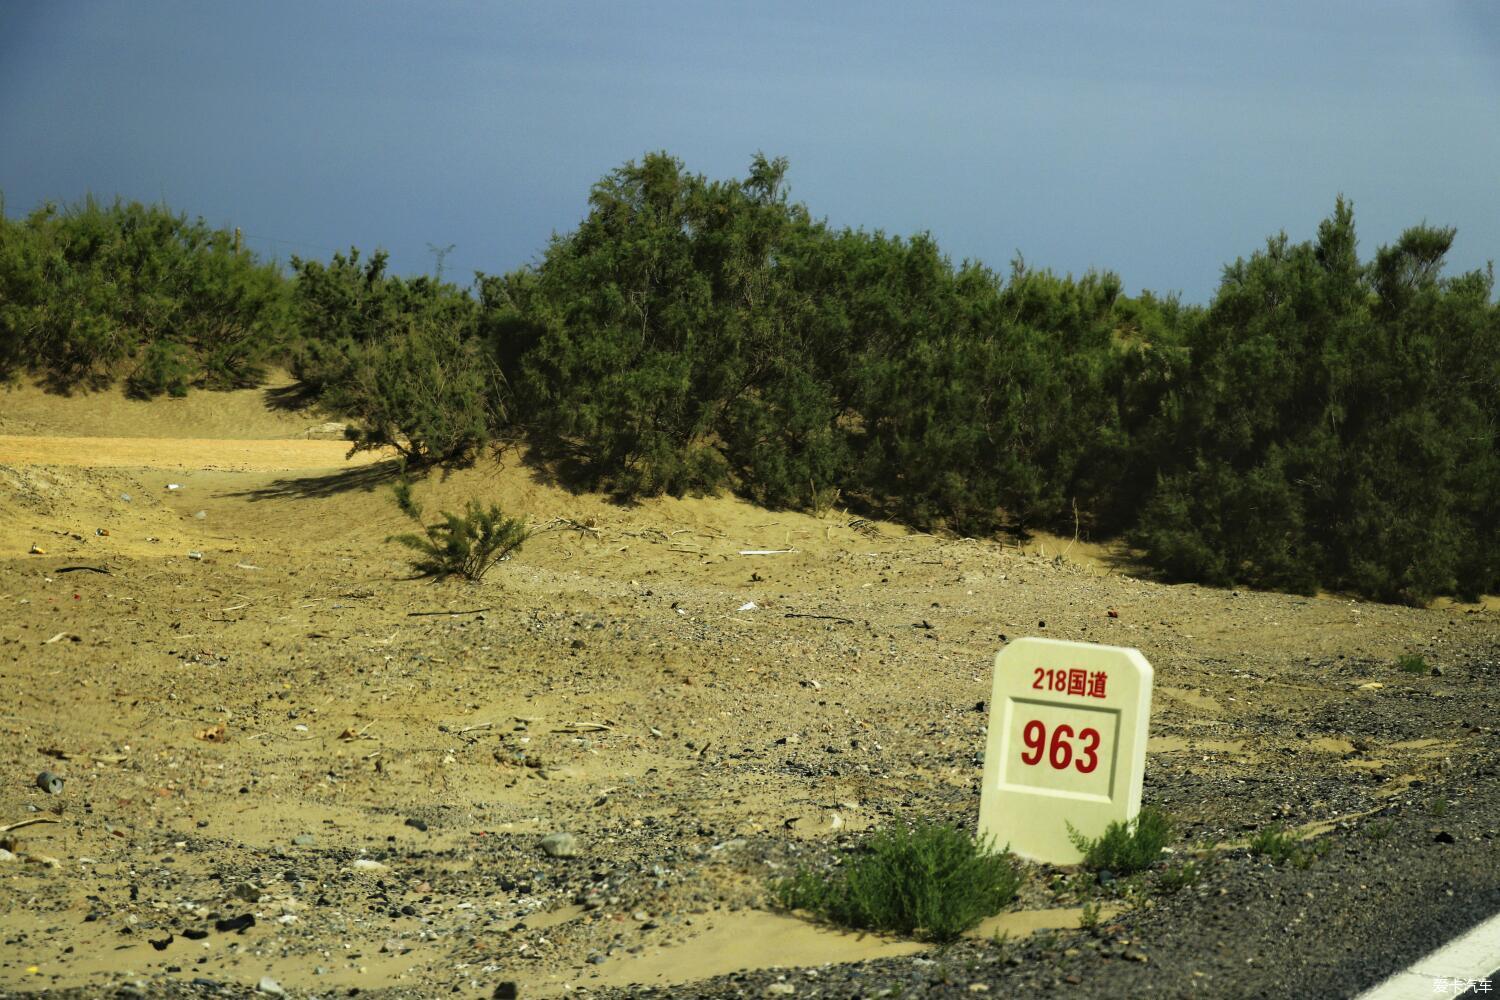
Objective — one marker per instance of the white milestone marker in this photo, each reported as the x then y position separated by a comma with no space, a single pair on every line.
1067,745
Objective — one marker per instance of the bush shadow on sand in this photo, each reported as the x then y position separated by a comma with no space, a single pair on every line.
365,477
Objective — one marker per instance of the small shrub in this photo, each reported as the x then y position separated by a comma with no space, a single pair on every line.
1380,829
933,881
465,545
1132,846
1412,663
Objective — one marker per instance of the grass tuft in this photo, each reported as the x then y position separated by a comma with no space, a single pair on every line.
1281,845
1412,663
1180,877
931,881
1274,842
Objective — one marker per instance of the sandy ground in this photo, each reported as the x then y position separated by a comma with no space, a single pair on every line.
284,726
205,454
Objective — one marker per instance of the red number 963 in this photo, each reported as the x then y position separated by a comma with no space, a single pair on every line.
1060,753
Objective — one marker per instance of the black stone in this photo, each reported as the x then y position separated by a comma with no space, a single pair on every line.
239,923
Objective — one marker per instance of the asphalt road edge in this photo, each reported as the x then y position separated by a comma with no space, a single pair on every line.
1471,957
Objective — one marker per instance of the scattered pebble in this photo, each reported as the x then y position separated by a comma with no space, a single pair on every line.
560,845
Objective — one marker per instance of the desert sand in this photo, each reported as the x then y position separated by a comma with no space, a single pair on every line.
256,711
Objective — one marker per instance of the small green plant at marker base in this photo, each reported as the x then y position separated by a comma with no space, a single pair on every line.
1412,663
1438,807
1123,848
466,544
930,881
1069,887
1089,919
1180,877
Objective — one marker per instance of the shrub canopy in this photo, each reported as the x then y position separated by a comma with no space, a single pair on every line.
1324,421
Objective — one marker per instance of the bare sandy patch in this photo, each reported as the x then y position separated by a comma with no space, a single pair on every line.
206,454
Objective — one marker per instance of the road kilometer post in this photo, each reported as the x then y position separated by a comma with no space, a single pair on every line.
1066,745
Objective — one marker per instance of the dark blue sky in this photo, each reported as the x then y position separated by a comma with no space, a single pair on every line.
1159,140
